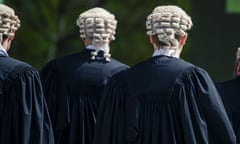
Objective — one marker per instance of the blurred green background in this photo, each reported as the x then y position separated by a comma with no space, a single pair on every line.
48,30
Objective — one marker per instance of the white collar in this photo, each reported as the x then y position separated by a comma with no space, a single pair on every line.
1,47
166,52
3,50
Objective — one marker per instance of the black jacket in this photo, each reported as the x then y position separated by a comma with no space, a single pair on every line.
163,100
229,91
24,117
73,85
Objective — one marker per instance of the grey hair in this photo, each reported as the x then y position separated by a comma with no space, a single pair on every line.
99,25
166,22
9,22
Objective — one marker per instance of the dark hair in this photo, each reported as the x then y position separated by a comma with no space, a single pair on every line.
4,37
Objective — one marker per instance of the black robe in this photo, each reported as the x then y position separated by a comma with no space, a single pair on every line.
230,93
162,100
24,117
73,85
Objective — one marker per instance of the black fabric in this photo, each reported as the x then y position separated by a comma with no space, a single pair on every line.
24,117
162,100
73,84
229,91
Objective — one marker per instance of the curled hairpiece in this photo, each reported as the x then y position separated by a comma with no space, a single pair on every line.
166,22
9,22
100,26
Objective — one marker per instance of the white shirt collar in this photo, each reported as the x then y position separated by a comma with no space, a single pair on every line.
166,52
3,50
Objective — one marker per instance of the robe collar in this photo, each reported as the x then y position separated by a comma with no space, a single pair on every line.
165,52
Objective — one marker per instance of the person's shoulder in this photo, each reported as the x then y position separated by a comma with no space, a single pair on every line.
12,68
190,67
13,63
173,64
65,59
185,71
115,66
115,61
61,58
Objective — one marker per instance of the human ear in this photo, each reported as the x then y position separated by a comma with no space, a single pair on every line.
183,40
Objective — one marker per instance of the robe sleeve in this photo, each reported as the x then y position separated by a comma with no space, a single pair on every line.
110,119
30,112
202,113
56,98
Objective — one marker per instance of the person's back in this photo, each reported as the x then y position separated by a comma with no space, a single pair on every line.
23,112
229,92
74,83
163,100
24,115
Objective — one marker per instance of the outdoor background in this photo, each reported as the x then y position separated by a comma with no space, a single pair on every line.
48,30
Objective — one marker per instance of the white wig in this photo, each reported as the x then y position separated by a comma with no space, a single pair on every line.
9,22
100,26
166,22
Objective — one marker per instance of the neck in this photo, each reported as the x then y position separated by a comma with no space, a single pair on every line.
3,51
6,43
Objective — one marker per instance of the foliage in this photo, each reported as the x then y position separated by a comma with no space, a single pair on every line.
48,28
